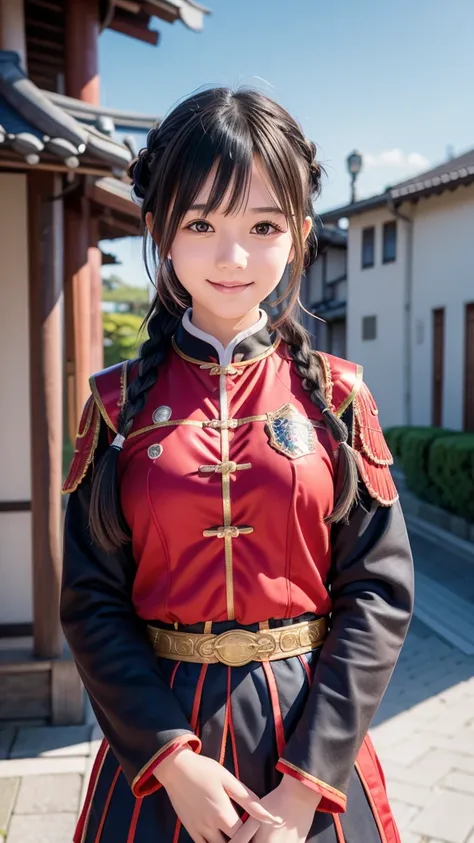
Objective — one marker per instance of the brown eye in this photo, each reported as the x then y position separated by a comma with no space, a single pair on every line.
266,228
205,230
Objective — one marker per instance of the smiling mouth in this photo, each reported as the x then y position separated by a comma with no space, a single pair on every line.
230,285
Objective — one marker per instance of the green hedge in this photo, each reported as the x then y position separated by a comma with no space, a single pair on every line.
415,449
451,473
438,465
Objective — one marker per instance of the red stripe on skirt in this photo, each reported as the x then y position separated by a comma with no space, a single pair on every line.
194,723
369,770
275,701
96,768
106,806
173,675
133,825
338,828
306,668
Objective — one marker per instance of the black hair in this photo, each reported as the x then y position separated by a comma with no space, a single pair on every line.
229,129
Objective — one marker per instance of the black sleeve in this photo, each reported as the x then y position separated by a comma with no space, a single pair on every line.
136,710
371,584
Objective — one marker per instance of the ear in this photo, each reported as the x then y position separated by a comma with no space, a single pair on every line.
149,222
307,226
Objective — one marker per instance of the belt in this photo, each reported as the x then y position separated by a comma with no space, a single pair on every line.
238,646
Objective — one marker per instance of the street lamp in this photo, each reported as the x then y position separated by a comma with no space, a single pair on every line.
354,166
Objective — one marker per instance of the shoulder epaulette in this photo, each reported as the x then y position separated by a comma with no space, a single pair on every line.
108,390
344,386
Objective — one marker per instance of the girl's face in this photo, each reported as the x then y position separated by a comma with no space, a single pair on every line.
230,264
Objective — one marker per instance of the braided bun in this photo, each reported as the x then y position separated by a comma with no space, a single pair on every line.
140,171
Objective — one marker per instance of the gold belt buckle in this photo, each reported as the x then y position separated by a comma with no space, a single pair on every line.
238,647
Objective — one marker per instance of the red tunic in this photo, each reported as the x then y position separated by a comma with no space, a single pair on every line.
225,523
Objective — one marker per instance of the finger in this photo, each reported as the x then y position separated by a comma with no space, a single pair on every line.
233,829
215,837
246,832
230,823
249,801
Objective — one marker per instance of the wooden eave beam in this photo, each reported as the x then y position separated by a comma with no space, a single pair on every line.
137,29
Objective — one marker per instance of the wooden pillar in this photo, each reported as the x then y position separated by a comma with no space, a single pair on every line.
78,307
82,48
85,294
97,331
12,28
46,378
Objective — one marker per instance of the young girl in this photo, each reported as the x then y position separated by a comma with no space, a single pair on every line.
237,574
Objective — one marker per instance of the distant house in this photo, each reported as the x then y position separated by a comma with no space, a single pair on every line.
324,292
410,295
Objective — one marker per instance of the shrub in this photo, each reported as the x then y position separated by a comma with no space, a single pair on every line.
451,473
415,448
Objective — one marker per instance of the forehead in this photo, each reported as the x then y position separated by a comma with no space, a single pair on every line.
260,192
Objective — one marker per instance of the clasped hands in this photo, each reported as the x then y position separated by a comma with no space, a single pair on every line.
200,791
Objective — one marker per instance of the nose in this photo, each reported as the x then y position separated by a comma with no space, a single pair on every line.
231,256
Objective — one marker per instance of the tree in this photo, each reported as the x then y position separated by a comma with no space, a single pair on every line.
122,337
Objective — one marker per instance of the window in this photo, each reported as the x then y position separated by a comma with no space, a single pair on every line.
368,247
369,328
389,253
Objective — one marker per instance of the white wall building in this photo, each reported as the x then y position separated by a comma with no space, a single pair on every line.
410,296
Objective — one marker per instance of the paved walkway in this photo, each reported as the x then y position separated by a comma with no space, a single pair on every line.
424,733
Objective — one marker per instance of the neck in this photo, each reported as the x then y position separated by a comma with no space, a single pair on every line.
223,330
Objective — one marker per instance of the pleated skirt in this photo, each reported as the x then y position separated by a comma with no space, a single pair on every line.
243,716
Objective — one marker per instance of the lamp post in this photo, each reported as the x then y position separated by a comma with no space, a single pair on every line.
354,166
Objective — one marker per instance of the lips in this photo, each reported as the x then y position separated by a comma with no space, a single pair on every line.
230,284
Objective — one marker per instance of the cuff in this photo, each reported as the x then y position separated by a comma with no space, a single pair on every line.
145,782
332,800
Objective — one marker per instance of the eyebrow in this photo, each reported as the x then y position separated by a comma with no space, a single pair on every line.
269,209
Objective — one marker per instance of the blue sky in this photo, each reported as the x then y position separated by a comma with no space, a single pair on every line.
392,79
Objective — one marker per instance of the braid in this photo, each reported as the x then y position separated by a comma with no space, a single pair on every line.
310,371
107,523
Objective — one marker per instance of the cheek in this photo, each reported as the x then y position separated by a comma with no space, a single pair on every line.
274,257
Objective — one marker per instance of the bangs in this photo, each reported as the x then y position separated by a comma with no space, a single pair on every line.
231,152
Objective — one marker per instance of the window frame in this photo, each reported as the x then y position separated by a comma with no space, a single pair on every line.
363,264
389,225
364,323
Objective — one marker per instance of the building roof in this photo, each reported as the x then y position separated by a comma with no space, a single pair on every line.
35,128
133,18
98,115
446,176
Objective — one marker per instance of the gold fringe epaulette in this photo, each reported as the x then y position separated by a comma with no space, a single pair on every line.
86,444
345,387
108,390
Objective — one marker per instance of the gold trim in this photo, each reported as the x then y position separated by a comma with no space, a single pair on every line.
157,755
90,457
354,391
365,448
227,531
123,384
224,467
239,646
99,402
87,423
157,425
99,771
240,365
311,778
329,384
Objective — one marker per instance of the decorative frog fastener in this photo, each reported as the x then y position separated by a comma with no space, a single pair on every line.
290,432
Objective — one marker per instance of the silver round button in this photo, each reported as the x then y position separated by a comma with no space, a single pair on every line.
161,414
155,451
